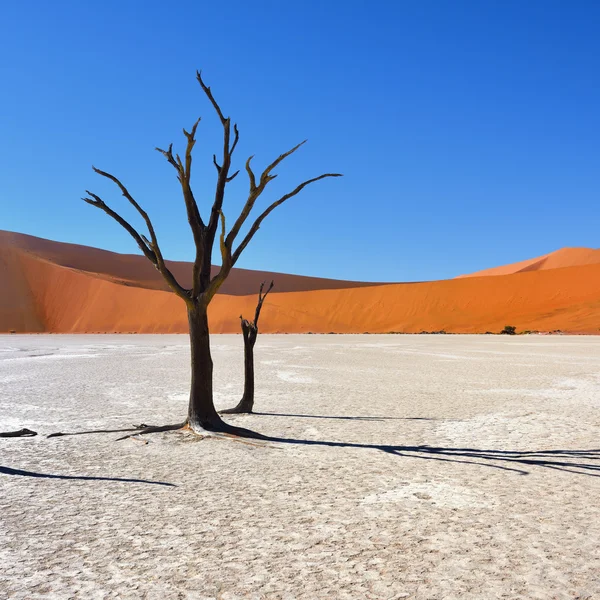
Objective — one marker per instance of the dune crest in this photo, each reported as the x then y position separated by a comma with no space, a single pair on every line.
559,259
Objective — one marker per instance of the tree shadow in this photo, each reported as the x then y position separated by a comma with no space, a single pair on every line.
272,414
20,472
507,460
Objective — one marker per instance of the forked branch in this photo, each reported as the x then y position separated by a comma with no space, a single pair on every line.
96,201
256,225
150,248
184,174
256,190
267,172
222,169
129,197
261,299
168,154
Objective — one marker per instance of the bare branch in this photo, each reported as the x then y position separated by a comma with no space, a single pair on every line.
251,174
223,171
142,212
168,154
232,177
267,172
223,168
225,254
268,290
191,135
191,139
193,213
256,226
194,218
256,191
210,96
129,197
261,299
236,138
99,203
151,248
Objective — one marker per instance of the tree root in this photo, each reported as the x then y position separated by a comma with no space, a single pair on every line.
152,429
21,433
134,428
217,429
220,429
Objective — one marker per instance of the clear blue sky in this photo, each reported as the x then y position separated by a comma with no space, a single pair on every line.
468,132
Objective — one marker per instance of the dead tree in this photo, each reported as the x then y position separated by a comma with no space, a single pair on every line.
202,415
250,333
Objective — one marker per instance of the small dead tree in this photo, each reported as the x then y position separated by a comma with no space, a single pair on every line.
202,415
250,333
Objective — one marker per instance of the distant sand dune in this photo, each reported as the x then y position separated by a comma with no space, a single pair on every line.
62,288
560,259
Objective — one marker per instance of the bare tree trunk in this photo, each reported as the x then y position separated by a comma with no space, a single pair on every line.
246,404
201,412
250,333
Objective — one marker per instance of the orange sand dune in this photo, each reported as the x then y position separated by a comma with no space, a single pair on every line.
39,292
132,269
565,257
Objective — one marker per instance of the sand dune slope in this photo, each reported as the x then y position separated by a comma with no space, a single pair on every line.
566,299
132,269
18,310
559,259
46,293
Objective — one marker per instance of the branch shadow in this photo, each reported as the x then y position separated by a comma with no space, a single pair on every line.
272,414
22,473
20,433
507,460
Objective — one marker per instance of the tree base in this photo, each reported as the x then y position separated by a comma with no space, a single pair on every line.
243,407
212,427
218,427
236,410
